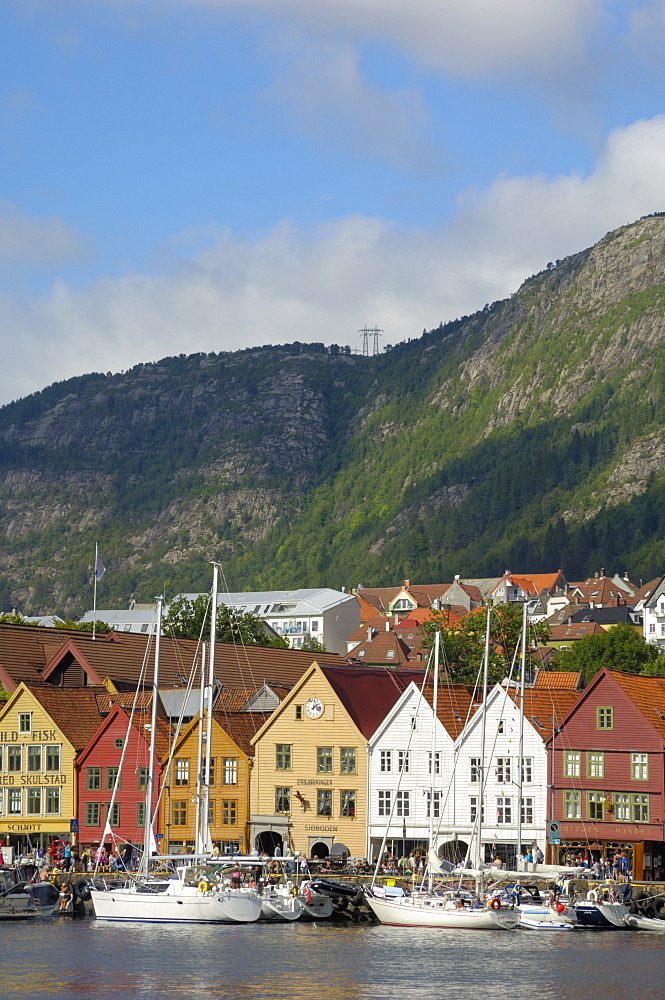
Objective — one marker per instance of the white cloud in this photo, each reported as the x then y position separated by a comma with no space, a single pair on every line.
471,38
39,242
290,285
326,96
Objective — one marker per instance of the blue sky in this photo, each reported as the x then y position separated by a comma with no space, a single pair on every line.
197,175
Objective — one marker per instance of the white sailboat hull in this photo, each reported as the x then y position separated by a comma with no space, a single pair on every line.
181,906
276,906
435,912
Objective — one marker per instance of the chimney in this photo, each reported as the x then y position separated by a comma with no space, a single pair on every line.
457,578
396,619
388,624
370,632
602,572
343,590
407,584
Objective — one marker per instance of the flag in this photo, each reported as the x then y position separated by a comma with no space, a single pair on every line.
100,568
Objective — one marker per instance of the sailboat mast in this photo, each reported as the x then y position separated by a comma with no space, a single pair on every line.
148,835
520,756
208,700
486,658
432,766
199,844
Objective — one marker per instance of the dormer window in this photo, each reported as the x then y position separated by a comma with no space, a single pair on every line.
404,604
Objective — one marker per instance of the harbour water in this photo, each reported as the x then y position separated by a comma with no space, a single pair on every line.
86,960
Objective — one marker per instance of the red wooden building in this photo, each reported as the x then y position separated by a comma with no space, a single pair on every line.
607,773
97,767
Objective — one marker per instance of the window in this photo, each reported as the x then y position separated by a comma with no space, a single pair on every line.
414,722
34,758
347,760
229,810
403,760
347,802
386,760
604,718
595,805
15,802
595,765
500,728
182,771
571,764
527,811
211,771
527,770
14,758
25,722
504,813
640,804
142,778
314,626
53,758
621,806
52,807
384,803
475,769
282,799
112,815
503,770
437,762
402,804
93,779
92,814
211,813
572,808
179,813
639,766
473,809
140,815
111,775
34,801
229,771
324,760
283,757
298,712
437,804
324,802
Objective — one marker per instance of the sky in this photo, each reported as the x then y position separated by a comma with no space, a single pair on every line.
180,176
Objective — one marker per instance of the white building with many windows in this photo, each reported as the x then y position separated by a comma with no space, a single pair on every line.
501,797
654,616
400,768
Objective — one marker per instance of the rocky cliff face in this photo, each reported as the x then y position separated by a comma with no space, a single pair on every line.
518,436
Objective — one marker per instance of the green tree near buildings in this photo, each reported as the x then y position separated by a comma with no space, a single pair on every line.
621,647
463,641
191,620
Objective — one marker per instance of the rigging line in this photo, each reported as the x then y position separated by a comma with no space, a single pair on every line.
244,647
401,773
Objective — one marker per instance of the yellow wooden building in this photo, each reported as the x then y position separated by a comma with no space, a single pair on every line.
309,782
41,731
231,761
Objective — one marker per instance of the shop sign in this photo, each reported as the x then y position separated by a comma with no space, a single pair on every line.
321,829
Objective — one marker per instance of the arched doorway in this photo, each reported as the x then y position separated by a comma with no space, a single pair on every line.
267,841
454,851
339,850
319,850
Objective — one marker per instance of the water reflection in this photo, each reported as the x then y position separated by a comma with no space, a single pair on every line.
65,959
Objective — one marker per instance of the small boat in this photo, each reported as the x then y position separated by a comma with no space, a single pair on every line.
638,923
317,906
450,909
601,911
281,902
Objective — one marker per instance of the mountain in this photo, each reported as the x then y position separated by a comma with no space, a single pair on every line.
526,436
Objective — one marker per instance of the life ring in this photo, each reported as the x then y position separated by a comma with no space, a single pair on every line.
592,896
496,904
203,885
560,908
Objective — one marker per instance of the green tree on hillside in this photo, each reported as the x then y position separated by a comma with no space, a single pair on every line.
463,641
619,648
191,620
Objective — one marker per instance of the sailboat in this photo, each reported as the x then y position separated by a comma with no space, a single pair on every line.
431,907
194,894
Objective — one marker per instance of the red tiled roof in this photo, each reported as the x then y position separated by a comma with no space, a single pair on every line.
383,648
577,630
369,694
241,727
367,610
648,693
541,705
74,710
561,679
26,649
455,705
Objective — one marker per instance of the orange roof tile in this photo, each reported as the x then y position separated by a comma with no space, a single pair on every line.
561,679
648,693
541,705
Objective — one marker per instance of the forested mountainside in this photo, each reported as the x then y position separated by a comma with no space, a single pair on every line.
527,436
